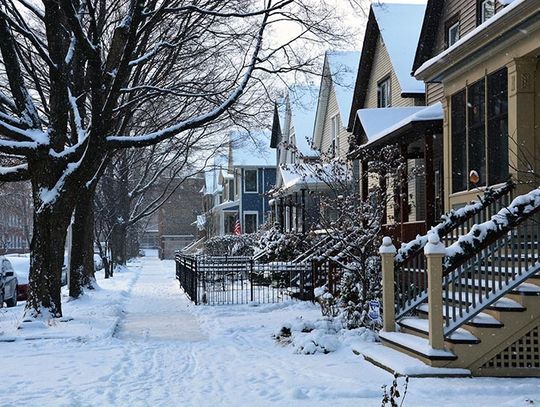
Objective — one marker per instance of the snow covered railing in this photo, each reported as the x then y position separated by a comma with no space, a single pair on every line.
491,260
410,265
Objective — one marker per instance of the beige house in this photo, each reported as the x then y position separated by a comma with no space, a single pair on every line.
468,293
330,135
389,109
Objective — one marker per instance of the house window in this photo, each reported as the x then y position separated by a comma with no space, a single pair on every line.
250,181
485,10
383,93
250,222
452,31
335,134
231,190
479,131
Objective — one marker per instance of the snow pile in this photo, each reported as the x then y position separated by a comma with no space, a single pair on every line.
93,316
324,335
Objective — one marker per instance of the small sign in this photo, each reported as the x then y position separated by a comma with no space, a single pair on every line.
374,312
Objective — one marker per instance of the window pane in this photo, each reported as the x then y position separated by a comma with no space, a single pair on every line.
250,223
459,145
453,34
477,137
488,9
498,126
250,180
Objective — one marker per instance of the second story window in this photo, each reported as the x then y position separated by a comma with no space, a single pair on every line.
250,181
383,93
452,32
485,10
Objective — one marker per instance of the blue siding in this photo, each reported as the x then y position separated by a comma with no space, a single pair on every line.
258,201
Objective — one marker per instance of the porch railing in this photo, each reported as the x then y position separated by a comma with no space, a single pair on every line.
410,264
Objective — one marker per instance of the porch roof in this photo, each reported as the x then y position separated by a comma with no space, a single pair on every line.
305,176
382,126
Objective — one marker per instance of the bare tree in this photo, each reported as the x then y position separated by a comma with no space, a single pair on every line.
75,72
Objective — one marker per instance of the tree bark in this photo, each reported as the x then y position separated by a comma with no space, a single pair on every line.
46,261
119,244
81,268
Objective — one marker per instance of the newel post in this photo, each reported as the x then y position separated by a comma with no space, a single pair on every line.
387,252
435,251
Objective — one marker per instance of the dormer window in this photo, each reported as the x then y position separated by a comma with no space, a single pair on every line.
485,10
383,93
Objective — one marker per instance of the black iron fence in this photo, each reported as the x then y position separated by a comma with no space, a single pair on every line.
216,280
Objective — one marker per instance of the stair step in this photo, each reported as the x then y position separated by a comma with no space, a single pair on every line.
415,344
482,320
522,289
502,304
502,270
422,326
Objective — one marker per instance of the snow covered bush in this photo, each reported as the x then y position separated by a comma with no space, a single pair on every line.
231,245
279,246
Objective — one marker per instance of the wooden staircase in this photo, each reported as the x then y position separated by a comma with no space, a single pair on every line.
484,315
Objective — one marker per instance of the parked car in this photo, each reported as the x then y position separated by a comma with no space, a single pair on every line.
8,283
21,266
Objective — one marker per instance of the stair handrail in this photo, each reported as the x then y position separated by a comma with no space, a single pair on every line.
412,253
452,220
488,237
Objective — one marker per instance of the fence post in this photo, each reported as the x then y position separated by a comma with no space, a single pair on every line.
434,252
195,283
251,279
387,252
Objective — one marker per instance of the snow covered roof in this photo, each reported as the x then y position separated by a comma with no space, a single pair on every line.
343,68
211,176
400,22
375,121
433,112
252,150
311,176
303,103
511,6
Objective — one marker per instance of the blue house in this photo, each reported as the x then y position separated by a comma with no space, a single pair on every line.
242,185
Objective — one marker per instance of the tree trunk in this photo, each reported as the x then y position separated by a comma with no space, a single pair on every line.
119,244
46,261
81,268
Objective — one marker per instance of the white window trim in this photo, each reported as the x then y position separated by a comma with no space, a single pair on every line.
387,82
456,26
256,213
257,181
483,17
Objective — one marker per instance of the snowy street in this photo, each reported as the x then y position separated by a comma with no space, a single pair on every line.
167,352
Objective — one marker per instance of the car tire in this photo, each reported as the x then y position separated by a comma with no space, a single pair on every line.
12,302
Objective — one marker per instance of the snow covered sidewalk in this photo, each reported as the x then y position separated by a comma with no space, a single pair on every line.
157,310
168,352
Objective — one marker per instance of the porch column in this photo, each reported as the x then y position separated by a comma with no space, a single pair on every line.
281,218
403,192
521,121
430,180
434,252
387,252
303,211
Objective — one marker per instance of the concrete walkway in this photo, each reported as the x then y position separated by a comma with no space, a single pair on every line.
156,309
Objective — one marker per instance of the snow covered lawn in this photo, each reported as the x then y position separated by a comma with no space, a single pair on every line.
167,352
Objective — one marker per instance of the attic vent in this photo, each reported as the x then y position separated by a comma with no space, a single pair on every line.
522,354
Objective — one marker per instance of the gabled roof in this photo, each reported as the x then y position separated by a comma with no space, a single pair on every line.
252,150
303,105
343,67
211,175
374,121
428,34
339,74
398,22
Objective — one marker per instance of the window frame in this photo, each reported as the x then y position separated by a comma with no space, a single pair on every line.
256,190
335,127
486,125
244,225
451,23
386,84
480,16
